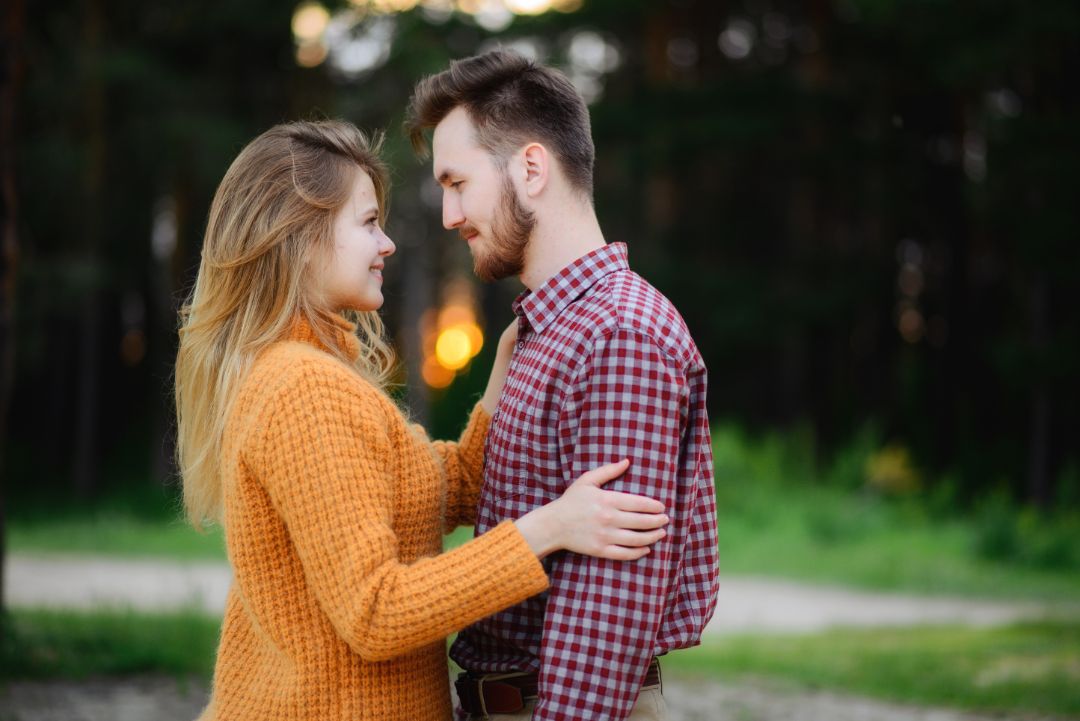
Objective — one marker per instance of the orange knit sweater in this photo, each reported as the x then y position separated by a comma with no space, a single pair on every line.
335,509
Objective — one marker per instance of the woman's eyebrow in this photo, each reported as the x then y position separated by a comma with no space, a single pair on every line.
371,209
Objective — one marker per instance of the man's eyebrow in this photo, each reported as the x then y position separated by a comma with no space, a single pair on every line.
444,176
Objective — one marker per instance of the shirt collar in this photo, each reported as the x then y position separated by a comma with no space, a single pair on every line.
543,305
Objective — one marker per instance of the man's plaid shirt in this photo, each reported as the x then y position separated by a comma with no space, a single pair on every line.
605,369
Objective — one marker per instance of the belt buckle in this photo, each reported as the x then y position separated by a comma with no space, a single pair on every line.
510,698
480,695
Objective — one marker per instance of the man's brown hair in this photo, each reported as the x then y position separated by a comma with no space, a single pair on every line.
512,101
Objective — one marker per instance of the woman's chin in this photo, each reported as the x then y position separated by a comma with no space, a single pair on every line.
366,305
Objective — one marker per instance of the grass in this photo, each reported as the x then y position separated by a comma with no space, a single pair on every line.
1030,667
824,535
116,534
69,644
865,518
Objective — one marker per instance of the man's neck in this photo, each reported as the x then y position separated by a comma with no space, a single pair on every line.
558,240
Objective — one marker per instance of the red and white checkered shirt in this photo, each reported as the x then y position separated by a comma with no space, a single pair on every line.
605,369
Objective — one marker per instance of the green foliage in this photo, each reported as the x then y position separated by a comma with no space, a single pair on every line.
1026,537
780,514
1068,485
848,466
1030,667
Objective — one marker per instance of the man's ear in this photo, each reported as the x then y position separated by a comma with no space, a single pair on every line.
537,162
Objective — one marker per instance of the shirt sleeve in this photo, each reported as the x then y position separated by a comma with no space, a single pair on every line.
463,462
602,617
324,457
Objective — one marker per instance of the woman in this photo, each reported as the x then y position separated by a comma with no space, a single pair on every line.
334,506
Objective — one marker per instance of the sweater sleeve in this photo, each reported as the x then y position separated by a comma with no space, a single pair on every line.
464,464
322,456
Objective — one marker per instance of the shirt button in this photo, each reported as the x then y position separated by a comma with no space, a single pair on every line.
521,344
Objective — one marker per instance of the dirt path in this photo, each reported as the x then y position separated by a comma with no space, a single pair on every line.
746,605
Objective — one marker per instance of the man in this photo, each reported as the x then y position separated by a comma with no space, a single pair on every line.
604,369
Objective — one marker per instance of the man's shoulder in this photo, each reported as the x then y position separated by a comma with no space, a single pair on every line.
630,304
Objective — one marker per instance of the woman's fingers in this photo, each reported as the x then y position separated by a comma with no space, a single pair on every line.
626,545
603,474
634,504
620,553
640,521
623,537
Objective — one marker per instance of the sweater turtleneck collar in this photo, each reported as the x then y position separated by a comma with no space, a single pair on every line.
342,335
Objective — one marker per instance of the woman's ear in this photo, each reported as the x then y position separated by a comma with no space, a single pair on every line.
537,164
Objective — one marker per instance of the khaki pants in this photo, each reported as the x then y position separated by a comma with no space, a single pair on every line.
650,706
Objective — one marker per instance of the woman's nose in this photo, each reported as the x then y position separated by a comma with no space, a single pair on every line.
387,246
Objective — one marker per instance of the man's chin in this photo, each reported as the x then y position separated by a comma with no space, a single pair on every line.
484,273
489,272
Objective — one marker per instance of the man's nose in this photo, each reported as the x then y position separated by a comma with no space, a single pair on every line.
452,216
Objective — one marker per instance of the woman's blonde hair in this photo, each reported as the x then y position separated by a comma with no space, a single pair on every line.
270,226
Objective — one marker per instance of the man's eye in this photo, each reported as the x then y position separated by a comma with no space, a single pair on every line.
456,184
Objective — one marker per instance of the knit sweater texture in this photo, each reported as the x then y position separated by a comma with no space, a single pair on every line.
335,508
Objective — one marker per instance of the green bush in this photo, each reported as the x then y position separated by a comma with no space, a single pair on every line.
996,536
848,466
1027,537
780,514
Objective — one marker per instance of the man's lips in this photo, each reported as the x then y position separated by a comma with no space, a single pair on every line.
469,235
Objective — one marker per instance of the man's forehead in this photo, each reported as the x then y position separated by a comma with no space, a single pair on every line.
457,125
454,140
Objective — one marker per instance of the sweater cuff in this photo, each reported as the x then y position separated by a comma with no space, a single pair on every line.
516,561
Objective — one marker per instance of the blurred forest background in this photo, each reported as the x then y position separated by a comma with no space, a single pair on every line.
861,207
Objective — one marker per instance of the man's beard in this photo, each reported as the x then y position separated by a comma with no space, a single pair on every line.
504,254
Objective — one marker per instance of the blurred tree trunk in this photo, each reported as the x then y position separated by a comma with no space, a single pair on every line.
172,221
10,76
176,222
1039,490
418,284
945,183
84,469
162,351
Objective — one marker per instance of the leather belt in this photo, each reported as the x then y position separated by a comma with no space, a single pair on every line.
483,694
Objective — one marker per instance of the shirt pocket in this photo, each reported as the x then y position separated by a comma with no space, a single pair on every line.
542,449
525,448
508,450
